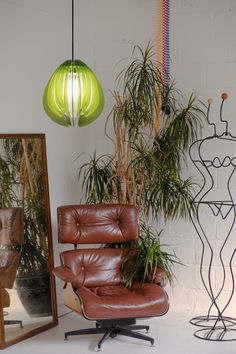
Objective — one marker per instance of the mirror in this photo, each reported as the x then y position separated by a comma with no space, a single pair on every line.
24,184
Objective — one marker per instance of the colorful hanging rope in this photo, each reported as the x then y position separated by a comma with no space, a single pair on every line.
163,50
163,46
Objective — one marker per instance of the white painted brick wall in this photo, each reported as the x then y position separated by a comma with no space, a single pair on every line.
203,60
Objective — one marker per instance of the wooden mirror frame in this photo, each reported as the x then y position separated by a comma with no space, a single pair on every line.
53,321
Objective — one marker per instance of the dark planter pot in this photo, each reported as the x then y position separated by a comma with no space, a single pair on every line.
35,295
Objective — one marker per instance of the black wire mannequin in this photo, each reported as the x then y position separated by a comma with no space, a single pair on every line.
215,160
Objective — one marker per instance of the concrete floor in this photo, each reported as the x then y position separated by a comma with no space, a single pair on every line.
172,333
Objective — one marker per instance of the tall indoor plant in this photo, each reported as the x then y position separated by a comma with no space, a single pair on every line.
153,128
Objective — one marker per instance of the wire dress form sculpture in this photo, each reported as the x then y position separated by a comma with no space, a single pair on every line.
215,158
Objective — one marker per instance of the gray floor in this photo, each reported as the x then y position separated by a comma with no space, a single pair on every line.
173,335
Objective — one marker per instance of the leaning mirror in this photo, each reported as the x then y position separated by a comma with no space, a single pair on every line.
28,302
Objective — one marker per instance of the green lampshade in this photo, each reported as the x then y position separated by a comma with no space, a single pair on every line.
73,93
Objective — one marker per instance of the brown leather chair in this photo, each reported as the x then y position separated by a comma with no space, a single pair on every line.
94,277
11,239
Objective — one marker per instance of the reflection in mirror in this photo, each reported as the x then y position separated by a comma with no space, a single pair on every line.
28,305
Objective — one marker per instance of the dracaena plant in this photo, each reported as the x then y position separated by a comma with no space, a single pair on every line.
144,256
153,126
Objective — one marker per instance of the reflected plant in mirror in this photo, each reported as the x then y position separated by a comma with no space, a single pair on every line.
23,184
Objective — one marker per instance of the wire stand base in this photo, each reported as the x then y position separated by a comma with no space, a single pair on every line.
215,328
212,321
217,334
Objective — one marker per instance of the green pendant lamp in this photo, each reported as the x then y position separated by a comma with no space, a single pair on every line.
73,93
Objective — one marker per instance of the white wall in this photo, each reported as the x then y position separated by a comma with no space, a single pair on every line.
203,54
35,37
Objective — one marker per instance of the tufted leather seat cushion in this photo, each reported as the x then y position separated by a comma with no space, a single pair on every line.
98,282
109,302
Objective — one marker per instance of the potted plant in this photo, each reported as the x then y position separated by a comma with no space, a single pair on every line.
21,180
153,127
144,256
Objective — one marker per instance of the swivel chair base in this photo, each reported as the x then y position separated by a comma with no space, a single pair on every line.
111,328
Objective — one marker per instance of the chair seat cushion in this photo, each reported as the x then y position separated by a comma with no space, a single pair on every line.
117,301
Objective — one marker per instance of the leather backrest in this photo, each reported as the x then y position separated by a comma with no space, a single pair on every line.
94,267
11,234
11,226
97,223
9,261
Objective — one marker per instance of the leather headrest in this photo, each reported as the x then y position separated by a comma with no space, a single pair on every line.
11,226
97,223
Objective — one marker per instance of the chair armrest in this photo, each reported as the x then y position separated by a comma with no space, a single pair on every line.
65,274
2,270
158,277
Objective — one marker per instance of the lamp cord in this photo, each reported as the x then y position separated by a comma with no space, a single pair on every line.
72,30
72,63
